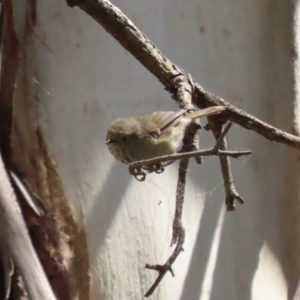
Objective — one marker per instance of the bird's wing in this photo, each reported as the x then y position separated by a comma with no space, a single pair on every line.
164,119
160,122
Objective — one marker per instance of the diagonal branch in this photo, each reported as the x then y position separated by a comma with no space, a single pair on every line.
134,41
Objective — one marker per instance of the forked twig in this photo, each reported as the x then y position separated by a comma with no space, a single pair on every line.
230,192
178,234
163,269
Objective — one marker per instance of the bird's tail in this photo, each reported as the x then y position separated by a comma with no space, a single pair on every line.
213,110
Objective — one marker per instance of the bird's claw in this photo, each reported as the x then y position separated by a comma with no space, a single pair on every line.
140,172
158,168
140,177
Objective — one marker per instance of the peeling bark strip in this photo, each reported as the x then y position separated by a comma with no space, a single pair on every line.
14,239
134,41
62,242
59,241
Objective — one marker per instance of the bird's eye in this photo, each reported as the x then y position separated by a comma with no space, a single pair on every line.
124,138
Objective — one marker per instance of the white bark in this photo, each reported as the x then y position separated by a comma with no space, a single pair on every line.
83,79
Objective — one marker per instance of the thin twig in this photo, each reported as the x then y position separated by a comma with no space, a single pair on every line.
177,221
163,269
221,137
177,156
230,192
178,235
135,168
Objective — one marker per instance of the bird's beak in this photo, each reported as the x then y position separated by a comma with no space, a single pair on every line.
109,141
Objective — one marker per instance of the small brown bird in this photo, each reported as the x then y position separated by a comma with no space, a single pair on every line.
152,135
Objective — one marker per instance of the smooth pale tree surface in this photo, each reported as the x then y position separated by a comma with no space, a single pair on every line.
79,79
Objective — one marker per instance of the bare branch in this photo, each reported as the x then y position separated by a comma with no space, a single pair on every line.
134,41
